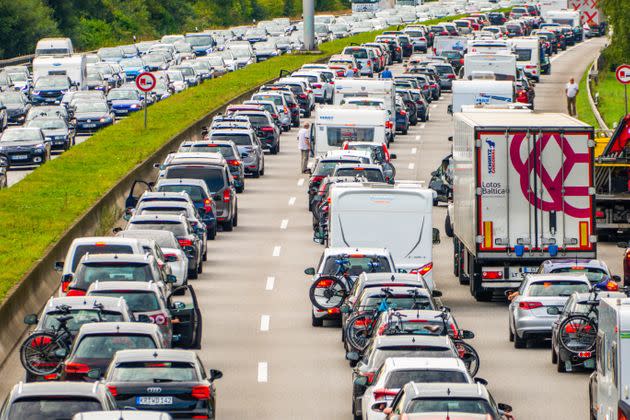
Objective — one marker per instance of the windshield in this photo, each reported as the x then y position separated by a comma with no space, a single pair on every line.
131,62
337,135
80,317
105,346
238,139
57,83
556,288
450,405
594,274
91,107
48,408
276,99
154,372
122,95
372,175
359,264
20,134
137,301
215,61
398,379
178,229
196,193
199,41
11,98
240,52
47,124
175,75
154,58
18,77
124,271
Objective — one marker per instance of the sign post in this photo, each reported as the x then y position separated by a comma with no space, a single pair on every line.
623,76
145,82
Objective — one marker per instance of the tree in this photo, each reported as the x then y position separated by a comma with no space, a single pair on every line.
618,17
22,24
289,8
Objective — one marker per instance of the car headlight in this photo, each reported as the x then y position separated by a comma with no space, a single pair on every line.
39,149
105,119
134,106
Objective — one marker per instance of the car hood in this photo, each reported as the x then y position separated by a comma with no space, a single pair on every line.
123,102
55,132
18,144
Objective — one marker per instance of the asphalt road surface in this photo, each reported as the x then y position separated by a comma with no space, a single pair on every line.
256,311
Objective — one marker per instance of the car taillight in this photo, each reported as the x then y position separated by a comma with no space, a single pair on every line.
621,415
302,95
227,195
233,162
333,311
397,48
112,390
75,292
492,275
76,368
324,283
200,416
293,106
369,62
159,319
274,116
425,87
207,204
585,354
450,76
433,85
403,113
422,270
382,393
388,124
573,327
529,305
266,129
422,38
173,257
64,286
184,242
201,392
317,85
316,178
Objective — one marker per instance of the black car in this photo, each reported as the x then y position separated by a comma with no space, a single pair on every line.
455,59
55,400
402,117
56,131
24,146
497,18
405,44
17,106
173,381
267,131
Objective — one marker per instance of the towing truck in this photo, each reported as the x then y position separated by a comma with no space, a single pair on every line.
522,193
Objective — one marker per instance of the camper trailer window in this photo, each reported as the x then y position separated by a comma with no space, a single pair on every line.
337,135
523,54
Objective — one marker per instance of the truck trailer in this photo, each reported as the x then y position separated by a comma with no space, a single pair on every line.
522,193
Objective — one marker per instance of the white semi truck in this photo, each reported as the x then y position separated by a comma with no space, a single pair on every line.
522,193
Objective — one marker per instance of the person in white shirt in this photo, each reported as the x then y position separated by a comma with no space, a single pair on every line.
572,90
304,145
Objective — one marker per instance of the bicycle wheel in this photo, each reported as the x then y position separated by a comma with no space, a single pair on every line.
578,333
37,353
469,355
327,292
359,330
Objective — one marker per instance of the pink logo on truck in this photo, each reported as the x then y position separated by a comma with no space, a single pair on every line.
553,186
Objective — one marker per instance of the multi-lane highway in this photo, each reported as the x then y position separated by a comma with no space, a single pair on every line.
253,294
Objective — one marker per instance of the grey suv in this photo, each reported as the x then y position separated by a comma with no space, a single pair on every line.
248,145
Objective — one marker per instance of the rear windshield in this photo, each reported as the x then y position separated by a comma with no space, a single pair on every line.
414,326
557,288
276,99
399,378
154,372
225,149
197,194
325,168
213,177
80,317
397,302
372,175
137,301
594,274
523,54
337,135
450,405
178,229
358,53
105,346
444,69
238,139
257,120
48,408
359,264
81,250
88,274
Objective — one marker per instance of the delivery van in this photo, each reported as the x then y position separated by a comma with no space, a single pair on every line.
474,92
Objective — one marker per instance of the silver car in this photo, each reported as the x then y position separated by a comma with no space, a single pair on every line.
530,312
249,147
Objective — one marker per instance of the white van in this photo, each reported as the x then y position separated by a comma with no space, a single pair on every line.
335,124
363,88
73,66
502,65
54,46
449,43
527,51
374,102
396,217
564,17
489,46
474,92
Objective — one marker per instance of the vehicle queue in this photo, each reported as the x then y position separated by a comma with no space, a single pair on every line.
116,320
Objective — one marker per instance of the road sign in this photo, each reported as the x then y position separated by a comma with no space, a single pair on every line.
146,82
623,74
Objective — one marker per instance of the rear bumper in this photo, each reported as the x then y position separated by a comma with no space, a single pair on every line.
533,327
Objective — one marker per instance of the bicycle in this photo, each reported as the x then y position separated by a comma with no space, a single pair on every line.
328,291
359,327
578,331
465,351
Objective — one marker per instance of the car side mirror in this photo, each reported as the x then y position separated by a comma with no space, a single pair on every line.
157,165
505,407
215,374
318,237
67,277
353,356
345,309
244,155
481,381
616,278
393,156
361,381
31,319
309,271
436,294
467,334
61,353
553,310
178,305
171,279
379,407
450,138
436,236
58,266
94,374
401,271
143,318
434,173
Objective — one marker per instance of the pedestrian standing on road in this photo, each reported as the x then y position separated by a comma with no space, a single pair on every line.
572,90
304,145
386,74
349,72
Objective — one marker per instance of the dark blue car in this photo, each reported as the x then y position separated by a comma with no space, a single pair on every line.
50,89
124,101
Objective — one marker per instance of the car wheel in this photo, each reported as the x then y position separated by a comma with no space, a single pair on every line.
519,343
274,150
212,234
511,334
405,131
554,355
256,173
200,268
262,170
227,226
192,275
205,255
235,218
561,367
316,322
448,228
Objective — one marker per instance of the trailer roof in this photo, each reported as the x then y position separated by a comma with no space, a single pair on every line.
532,120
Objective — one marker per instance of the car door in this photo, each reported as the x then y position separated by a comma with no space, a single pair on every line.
138,188
187,330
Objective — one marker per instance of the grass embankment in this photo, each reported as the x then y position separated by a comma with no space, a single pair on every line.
584,110
611,98
37,211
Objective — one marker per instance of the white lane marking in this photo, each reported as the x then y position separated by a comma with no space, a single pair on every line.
414,150
422,125
270,282
300,182
434,106
264,322
412,165
262,372
291,201
418,137
284,224
276,251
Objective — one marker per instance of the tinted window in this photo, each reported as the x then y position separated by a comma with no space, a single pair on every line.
81,250
337,135
136,301
556,288
88,274
378,357
450,405
213,176
178,229
592,273
399,378
58,408
325,168
397,302
238,139
154,372
358,53
196,193
105,346
80,317
372,175
359,265
257,120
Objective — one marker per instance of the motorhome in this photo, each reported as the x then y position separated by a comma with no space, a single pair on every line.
363,88
502,65
474,92
73,66
528,54
54,46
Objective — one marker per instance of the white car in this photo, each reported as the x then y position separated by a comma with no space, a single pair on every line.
397,371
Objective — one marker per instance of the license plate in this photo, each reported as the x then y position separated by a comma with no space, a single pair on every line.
50,99
529,269
19,157
89,125
60,142
154,400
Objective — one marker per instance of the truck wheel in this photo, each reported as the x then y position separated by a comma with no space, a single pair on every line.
479,293
448,228
464,278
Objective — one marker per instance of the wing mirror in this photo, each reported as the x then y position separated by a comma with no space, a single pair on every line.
352,356
117,229
309,271
616,278
58,266
94,374
361,381
436,294
61,353
143,318
467,335
481,381
450,138
215,374
505,407
178,305
622,244
379,407
171,279
30,319
393,156
436,236
318,237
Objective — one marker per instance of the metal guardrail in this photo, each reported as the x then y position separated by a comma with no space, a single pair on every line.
591,101
17,61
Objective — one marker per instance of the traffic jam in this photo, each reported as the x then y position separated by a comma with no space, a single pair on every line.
121,338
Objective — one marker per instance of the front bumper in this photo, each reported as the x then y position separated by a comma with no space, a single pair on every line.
85,126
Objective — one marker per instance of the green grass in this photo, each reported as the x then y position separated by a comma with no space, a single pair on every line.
37,211
611,98
584,111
